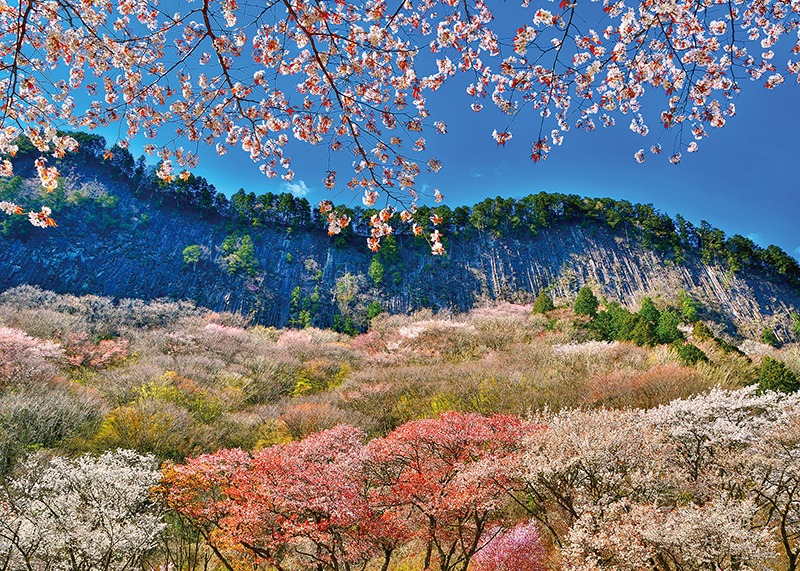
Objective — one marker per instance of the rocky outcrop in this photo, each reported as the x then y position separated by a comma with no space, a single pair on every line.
136,251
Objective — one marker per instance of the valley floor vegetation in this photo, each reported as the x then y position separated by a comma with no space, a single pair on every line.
158,435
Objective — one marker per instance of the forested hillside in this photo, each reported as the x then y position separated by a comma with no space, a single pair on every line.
124,233
636,407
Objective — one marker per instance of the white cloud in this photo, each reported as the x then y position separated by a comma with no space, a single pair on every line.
298,188
797,251
755,237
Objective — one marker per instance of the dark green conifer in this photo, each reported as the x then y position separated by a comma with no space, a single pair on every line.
543,303
774,375
586,302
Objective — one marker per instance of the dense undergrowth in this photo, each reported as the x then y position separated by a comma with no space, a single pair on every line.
171,381
87,374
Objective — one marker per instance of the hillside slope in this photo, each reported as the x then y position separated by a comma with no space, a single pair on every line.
115,239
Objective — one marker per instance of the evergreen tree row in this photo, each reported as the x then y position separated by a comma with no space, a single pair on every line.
498,217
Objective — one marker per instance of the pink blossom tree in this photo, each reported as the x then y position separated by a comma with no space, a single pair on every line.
517,549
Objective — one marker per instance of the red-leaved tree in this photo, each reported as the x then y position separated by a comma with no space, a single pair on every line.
452,473
332,503
300,502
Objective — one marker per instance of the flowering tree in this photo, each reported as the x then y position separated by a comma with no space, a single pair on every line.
701,430
704,482
453,473
517,549
586,460
25,357
624,536
771,471
332,503
199,491
299,502
615,490
351,76
88,513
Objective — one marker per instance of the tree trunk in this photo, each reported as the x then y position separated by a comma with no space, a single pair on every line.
428,552
387,557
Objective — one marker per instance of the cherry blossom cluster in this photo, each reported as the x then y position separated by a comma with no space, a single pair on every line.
640,489
41,218
93,512
349,76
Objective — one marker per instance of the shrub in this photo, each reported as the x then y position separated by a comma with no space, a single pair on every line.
701,331
775,376
543,303
191,255
148,426
689,354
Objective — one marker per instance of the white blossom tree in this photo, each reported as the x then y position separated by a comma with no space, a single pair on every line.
708,482
700,430
584,460
770,474
87,514
623,536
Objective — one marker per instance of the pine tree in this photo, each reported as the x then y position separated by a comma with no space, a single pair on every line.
543,303
376,271
667,329
774,375
644,333
648,311
689,354
586,302
768,337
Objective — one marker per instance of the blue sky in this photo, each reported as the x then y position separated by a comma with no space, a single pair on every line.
743,179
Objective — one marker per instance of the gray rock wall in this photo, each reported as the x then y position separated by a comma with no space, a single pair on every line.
142,258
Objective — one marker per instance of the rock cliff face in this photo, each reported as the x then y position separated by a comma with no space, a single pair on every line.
135,250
